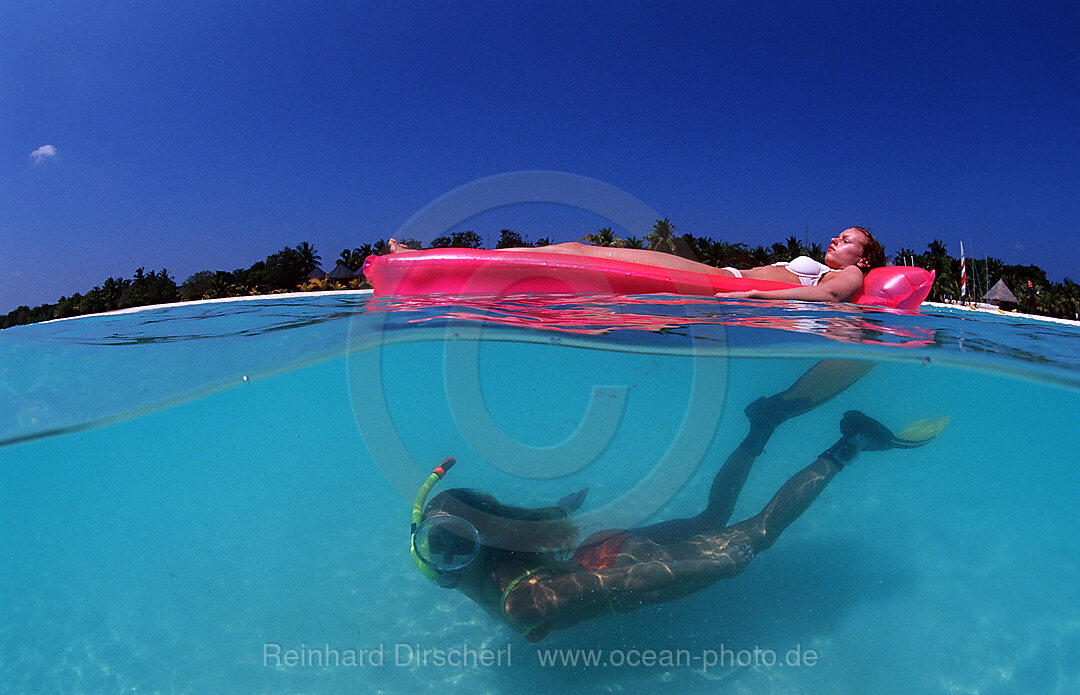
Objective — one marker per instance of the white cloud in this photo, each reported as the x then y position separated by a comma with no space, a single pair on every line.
42,153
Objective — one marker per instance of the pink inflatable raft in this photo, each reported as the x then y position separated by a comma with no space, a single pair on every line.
476,271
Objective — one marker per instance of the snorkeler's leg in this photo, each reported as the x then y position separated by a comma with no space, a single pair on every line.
819,384
724,492
858,433
790,501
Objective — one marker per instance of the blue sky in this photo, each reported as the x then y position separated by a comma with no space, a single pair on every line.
206,135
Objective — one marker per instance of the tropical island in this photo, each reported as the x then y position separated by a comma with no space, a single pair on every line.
297,269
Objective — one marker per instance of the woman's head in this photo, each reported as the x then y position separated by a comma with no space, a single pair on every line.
855,246
501,530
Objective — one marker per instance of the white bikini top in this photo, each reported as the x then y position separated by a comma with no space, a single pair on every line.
806,269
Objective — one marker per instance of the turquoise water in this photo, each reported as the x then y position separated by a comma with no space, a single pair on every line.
188,493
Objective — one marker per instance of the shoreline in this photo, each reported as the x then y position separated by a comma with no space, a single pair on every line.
327,293
999,312
217,300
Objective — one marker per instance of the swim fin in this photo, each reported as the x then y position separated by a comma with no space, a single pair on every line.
920,432
766,414
860,432
819,384
573,501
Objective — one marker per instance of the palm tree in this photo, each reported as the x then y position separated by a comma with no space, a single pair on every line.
995,268
791,249
509,239
632,242
945,286
904,256
309,256
1054,301
1072,294
778,252
947,269
707,250
603,237
687,246
347,258
937,247
355,258
735,255
761,256
939,258
795,247
662,236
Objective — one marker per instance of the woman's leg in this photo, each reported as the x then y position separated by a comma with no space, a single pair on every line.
657,259
653,573
723,494
646,571
790,501
858,433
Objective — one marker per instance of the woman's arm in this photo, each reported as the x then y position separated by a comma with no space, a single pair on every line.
841,287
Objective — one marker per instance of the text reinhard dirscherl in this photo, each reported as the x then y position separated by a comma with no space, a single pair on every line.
400,654
466,656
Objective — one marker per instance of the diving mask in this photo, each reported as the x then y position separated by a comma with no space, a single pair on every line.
443,544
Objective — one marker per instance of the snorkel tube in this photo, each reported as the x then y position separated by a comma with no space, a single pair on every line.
445,573
418,512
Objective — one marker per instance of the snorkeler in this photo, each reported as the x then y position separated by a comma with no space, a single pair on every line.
851,254
507,559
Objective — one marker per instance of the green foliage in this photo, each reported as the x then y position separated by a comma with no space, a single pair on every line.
309,256
459,240
115,293
198,286
603,237
287,270
662,236
1036,294
281,271
355,258
509,239
788,251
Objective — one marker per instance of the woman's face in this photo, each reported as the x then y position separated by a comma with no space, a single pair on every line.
846,248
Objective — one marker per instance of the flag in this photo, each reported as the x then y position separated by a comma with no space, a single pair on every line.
963,272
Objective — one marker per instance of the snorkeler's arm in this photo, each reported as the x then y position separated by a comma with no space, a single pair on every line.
841,287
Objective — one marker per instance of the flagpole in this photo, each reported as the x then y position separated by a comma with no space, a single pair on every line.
963,273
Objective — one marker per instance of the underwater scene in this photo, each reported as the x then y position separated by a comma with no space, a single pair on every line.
216,496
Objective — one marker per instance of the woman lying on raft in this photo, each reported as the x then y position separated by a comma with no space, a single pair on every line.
507,559
851,254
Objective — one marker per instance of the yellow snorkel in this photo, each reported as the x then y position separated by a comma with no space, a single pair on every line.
418,512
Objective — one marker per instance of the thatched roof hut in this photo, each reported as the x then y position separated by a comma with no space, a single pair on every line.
317,274
343,272
1000,294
